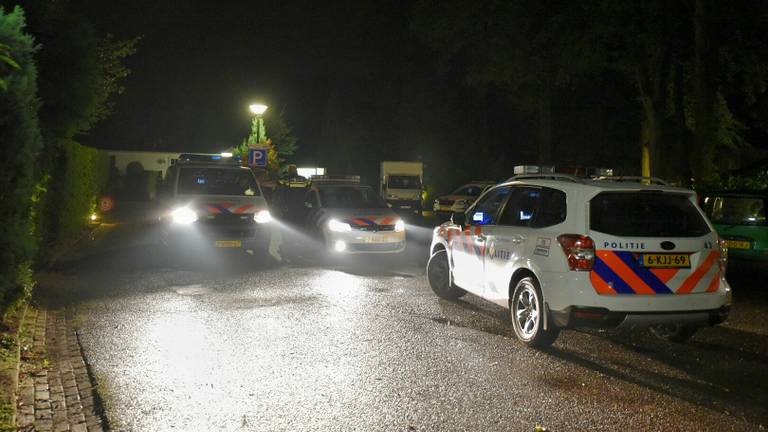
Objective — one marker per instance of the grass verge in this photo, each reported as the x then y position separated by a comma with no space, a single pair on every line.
10,325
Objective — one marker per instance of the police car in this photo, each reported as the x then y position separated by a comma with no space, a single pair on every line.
560,251
211,201
352,218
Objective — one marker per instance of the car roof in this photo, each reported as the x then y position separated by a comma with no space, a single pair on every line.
595,186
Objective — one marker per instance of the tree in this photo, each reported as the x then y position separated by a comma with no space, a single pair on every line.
280,142
529,49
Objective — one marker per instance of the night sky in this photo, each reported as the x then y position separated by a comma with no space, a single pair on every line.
357,83
200,63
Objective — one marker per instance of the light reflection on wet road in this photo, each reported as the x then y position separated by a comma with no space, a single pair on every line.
231,344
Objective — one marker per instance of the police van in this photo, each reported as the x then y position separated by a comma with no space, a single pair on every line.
351,218
560,251
211,201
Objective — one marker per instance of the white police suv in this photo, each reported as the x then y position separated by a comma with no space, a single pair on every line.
560,251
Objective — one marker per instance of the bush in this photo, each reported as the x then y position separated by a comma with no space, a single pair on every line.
20,142
78,175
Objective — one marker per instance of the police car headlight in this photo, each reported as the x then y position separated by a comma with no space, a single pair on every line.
337,226
183,216
262,216
400,226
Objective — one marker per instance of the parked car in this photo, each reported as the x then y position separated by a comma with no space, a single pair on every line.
562,252
461,198
739,218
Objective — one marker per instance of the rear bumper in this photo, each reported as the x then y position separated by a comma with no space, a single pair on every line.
575,317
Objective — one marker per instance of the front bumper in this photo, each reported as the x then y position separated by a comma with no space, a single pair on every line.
405,205
580,317
252,236
365,241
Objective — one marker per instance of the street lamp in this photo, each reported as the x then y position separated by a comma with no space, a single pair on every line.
258,109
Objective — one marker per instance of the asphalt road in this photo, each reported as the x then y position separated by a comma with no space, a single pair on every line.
234,343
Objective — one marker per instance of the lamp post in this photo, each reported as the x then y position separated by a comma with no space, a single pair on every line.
258,110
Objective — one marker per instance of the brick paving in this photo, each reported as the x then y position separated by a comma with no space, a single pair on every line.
55,390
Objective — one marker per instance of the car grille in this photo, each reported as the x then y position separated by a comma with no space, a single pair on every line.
228,226
375,247
375,228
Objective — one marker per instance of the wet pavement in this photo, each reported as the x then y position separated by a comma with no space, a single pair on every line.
230,342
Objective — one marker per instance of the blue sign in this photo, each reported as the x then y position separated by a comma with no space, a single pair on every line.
257,157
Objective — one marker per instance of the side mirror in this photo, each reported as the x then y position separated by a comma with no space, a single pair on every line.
308,205
459,219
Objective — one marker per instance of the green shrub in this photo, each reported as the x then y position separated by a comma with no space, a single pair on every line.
20,142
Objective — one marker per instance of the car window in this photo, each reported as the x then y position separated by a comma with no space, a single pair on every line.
646,214
404,182
729,210
217,181
351,197
486,211
534,207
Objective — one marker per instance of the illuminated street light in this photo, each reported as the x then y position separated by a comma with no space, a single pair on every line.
258,109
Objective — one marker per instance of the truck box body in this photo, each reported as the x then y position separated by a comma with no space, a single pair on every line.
401,184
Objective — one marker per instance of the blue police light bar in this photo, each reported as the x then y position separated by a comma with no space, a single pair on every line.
209,158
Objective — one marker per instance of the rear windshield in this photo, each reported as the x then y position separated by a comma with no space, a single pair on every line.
732,210
646,214
404,182
351,197
217,181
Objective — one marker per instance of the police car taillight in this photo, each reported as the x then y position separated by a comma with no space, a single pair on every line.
579,250
723,262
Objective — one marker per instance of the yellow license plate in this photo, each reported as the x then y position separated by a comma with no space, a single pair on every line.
738,244
229,243
667,260
374,239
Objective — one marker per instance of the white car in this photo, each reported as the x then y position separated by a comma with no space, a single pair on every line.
463,197
560,251
210,201
353,218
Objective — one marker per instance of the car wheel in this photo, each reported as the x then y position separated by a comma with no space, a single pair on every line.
673,332
438,277
527,312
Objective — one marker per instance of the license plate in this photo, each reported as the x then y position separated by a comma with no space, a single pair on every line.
738,244
666,260
375,239
229,243
405,207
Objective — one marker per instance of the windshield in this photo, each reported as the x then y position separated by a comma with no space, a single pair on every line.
728,210
351,197
646,214
217,181
470,190
404,182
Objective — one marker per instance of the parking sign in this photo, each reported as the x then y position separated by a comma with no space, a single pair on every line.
257,157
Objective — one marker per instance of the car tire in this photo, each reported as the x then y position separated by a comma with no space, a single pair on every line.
673,332
439,279
526,308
